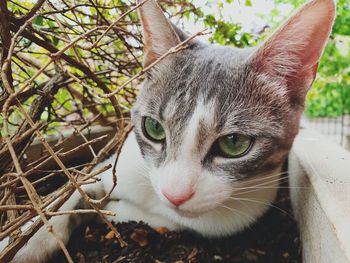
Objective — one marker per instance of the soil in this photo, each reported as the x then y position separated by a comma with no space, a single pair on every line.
274,238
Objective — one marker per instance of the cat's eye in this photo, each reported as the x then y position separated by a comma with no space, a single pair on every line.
153,130
233,145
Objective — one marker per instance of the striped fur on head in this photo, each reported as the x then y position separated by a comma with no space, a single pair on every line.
207,91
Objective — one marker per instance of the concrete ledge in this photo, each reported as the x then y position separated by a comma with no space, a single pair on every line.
319,172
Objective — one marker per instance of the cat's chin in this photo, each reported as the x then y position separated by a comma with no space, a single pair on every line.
187,214
191,212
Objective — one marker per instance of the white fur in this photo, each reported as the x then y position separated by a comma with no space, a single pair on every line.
201,213
136,199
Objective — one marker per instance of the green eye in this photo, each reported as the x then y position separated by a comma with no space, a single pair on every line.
153,130
234,145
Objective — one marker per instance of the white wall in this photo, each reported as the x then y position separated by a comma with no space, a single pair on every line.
319,173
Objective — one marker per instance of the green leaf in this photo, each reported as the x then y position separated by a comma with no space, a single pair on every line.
50,23
38,21
248,3
55,41
210,20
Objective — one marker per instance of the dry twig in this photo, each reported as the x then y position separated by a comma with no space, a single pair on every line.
59,72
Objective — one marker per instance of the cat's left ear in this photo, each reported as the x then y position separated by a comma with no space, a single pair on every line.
159,34
293,51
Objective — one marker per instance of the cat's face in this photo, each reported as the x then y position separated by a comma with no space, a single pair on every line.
211,119
205,100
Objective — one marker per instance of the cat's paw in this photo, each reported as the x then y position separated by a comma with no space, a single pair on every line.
39,249
127,211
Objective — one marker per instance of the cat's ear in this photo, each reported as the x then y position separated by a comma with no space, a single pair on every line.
294,50
158,33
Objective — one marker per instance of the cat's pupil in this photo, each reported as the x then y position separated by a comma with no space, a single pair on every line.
156,125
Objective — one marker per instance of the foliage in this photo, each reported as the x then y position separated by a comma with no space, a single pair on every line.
113,60
328,97
228,33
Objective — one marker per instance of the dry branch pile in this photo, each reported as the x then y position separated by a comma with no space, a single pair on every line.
66,66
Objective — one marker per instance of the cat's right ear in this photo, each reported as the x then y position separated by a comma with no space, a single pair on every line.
158,34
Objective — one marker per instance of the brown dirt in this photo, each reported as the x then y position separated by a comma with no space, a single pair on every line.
274,238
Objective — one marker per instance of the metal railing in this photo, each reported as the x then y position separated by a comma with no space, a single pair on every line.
335,128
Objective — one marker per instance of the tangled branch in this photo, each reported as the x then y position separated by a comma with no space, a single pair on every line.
68,78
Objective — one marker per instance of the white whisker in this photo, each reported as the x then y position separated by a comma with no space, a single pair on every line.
261,202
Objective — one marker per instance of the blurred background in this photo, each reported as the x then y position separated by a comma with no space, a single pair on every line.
238,23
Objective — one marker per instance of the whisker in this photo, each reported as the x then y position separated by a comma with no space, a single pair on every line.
251,185
145,175
264,203
238,212
263,183
256,187
262,177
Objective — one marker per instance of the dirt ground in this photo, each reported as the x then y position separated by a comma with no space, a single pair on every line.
274,238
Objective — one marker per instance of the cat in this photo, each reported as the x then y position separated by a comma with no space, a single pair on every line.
212,127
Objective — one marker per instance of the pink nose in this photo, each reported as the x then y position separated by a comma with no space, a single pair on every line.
178,199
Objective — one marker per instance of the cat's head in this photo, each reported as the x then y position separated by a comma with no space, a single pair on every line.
209,119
